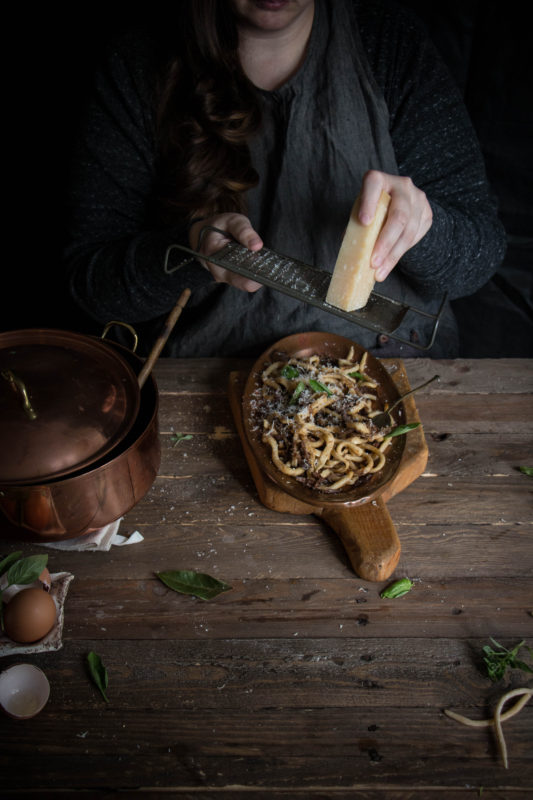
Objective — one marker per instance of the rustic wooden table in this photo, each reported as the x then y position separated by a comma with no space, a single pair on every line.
300,682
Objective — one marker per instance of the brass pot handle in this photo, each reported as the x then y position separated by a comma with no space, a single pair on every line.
123,325
17,384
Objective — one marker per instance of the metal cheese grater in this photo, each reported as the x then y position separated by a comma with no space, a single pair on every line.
308,284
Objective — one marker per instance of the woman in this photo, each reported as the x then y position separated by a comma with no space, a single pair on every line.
264,118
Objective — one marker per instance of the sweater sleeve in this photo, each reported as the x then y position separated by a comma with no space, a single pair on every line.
436,146
114,257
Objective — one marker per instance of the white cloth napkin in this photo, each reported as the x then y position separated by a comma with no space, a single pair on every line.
101,540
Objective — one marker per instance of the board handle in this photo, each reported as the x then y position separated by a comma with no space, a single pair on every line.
369,538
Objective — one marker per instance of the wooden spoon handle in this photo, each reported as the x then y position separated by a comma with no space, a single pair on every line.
369,538
165,333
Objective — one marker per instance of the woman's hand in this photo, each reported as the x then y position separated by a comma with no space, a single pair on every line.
238,227
409,218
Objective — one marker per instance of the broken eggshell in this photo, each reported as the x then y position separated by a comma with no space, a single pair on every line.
24,691
44,581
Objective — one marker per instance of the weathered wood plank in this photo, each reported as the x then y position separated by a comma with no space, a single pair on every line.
198,375
457,454
178,767
460,455
501,413
479,376
461,413
217,498
241,792
284,747
338,609
277,731
303,548
487,376
499,550
363,675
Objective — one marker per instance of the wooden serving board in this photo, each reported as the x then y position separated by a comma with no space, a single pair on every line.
367,530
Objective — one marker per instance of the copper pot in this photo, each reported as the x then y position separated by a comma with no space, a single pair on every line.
66,401
93,494
82,473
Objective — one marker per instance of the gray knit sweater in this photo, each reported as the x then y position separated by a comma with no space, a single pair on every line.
372,93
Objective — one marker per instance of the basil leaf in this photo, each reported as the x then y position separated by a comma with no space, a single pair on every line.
179,437
8,561
401,429
397,589
289,371
526,470
98,673
318,387
26,570
195,583
497,661
297,392
358,375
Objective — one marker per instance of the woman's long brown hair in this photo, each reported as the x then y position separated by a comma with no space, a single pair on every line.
207,112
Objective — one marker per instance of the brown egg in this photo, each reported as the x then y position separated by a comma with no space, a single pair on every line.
29,615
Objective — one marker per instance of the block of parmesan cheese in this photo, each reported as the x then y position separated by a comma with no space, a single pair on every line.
353,278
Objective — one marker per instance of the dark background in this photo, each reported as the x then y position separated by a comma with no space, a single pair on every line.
486,46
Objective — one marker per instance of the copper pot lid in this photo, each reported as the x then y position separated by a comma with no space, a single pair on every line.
65,401
333,346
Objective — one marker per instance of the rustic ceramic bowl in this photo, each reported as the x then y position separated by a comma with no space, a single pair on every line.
323,344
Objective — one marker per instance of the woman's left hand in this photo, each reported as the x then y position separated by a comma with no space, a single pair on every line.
237,227
408,219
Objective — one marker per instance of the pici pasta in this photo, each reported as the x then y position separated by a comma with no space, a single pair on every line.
315,415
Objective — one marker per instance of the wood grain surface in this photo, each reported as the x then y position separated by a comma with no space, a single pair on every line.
301,681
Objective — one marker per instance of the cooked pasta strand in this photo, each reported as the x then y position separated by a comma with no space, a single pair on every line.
317,420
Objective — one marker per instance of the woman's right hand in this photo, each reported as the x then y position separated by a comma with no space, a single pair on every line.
238,227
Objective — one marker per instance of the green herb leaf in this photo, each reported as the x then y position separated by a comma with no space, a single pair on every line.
526,470
289,371
401,429
179,437
522,665
318,387
98,673
26,570
397,589
195,583
9,560
358,375
297,392
498,661
4,564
